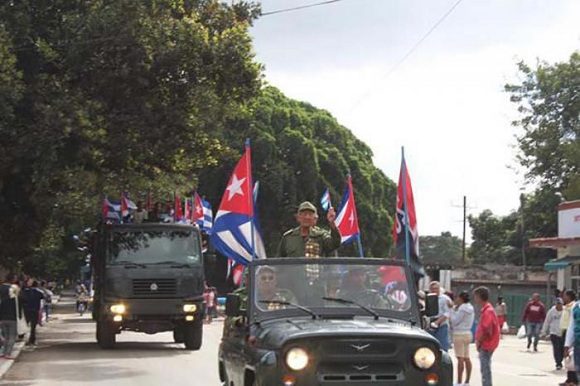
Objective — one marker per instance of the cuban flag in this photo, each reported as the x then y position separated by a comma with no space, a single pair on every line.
126,205
234,224
405,234
325,200
236,272
111,211
206,222
347,219
197,214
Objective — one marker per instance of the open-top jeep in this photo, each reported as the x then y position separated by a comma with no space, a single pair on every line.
328,322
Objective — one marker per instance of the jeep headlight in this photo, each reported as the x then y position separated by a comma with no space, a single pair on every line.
424,358
189,308
297,358
118,308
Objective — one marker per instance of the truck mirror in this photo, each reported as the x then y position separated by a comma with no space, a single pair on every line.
233,303
431,305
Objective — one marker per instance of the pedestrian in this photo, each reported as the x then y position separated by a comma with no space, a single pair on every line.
569,298
140,215
501,311
308,240
487,334
9,312
462,318
533,318
48,294
33,297
440,323
572,341
552,328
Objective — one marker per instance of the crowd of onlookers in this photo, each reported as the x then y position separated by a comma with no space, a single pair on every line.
25,303
455,325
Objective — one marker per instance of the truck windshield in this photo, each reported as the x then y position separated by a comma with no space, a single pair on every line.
154,247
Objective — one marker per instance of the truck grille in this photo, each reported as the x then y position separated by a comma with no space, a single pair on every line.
154,288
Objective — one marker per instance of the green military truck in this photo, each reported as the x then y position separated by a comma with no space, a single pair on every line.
148,278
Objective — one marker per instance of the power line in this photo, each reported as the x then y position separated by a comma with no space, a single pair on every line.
408,54
299,7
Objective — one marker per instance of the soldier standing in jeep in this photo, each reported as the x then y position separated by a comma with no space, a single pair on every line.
308,240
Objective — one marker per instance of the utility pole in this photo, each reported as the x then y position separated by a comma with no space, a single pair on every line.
464,227
523,228
464,241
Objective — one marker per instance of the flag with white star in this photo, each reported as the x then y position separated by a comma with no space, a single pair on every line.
235,234
347,219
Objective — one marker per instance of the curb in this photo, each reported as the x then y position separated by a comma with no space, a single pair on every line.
6,364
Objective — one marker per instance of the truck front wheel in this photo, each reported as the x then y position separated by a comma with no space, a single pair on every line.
178,335
106,335
193,335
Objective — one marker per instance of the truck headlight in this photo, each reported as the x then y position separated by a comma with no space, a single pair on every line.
118,309
297,358
189,308
424,358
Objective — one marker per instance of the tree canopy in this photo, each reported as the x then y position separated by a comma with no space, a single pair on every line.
106,96
549,150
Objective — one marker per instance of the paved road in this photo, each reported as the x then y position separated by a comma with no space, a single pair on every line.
68,355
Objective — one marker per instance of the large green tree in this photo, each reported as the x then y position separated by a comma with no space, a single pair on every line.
549,106
442,249
298,151
105,96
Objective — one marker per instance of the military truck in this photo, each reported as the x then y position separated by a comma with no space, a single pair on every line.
341,321
148,278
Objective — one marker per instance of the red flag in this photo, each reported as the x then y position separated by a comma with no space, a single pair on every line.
149,202
124,205
238,195
188,210
347,218
197,213
406,208
178,211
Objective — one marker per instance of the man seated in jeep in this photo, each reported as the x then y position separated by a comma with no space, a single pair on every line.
268,293
355,288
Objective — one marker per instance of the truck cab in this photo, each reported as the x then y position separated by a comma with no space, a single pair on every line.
148,278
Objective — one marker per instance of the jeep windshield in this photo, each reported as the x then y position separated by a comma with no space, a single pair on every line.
145,247
332,287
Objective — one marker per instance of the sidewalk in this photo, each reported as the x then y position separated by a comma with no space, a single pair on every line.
5,364
513,365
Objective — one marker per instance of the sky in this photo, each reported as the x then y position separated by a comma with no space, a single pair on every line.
445,103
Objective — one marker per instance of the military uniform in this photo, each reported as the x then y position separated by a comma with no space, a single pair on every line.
318,243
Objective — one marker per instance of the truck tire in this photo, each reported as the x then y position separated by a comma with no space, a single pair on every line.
178,334
106,335
193,335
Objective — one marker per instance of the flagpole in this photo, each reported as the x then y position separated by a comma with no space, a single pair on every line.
405,207
250,196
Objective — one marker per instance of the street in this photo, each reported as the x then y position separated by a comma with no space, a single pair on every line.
68,355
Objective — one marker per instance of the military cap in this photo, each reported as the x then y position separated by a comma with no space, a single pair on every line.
307,205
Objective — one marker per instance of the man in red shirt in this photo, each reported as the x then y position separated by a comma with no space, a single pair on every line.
487,334
534,315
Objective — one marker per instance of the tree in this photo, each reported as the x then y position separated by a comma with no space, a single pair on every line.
298,150
547,99
442,249
111,96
